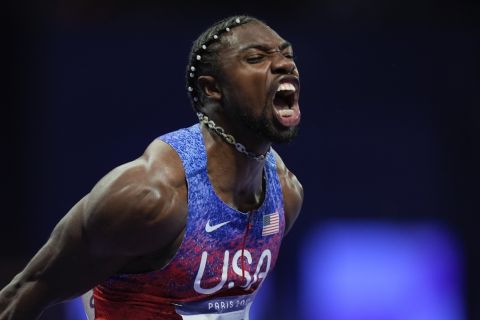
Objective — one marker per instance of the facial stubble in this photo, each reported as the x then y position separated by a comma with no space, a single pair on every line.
268,128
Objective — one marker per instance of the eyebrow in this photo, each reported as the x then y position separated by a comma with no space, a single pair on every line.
262,47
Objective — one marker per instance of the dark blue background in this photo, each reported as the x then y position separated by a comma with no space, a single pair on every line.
390,111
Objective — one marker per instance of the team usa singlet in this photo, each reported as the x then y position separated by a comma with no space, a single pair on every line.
223,259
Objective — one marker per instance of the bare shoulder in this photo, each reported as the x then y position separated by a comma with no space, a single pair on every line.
292,192
139,207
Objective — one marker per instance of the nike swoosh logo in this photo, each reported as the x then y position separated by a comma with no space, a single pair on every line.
209,228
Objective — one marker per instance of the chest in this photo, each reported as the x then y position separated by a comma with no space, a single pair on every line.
227,250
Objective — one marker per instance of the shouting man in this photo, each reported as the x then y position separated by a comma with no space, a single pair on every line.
190,229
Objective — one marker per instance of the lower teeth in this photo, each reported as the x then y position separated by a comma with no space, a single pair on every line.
285,112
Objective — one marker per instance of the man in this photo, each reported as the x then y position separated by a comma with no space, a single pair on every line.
191,228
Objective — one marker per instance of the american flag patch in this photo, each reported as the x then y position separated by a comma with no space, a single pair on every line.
271,223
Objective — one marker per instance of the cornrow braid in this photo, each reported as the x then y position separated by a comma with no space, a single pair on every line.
203,59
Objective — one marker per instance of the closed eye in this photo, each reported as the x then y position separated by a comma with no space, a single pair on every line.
289,55
255,59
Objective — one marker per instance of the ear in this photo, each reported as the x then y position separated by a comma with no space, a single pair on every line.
210,88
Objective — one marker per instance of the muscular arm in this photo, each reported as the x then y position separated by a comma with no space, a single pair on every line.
292,193
134,210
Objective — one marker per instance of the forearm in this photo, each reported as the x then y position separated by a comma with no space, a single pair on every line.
22,299
42,283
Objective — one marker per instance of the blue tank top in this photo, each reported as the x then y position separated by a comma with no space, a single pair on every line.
224,257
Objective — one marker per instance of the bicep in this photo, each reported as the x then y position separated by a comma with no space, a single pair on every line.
120,219
133,218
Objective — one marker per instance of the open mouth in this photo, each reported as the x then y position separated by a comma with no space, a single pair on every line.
285,102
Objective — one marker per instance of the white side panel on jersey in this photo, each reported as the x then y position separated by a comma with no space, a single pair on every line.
219,308
236,315
87,300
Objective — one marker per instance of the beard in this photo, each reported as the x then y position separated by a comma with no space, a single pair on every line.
267,128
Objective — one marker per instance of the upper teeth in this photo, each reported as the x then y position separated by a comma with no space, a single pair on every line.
286,87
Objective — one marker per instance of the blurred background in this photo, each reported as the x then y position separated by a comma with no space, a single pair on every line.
388,150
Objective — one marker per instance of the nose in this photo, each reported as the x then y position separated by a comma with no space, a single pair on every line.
282,64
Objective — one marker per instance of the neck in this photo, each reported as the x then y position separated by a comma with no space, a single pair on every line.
236,178
230,139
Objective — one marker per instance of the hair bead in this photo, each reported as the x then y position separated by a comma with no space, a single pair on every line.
200,53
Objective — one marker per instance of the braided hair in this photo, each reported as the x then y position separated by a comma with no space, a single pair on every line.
203,59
